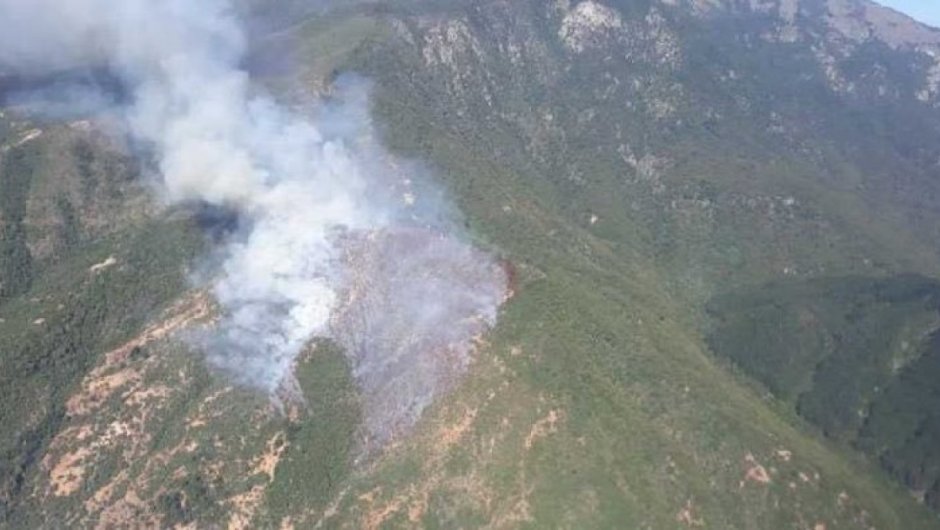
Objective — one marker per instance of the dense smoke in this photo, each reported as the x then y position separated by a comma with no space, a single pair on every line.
303,187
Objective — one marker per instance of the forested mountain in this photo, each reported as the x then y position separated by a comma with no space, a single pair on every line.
718,220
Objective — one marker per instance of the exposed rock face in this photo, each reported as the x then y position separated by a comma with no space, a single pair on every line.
862,20
587,21
838,30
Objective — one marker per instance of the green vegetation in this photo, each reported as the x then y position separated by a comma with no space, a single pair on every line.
57,313
855,356
321,446
602,330
903,426
696,217
54,332
17,172
622,255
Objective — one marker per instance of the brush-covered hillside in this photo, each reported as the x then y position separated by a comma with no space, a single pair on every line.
718,218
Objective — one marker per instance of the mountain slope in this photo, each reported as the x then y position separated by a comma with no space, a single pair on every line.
614,123
648,168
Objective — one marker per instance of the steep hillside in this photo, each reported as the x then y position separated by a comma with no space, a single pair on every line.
86,260
696,143
719,221
64,185
853,356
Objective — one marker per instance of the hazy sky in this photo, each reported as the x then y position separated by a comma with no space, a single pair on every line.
924,10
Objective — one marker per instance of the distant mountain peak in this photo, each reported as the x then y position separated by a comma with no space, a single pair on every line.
836,30
858,20
861,20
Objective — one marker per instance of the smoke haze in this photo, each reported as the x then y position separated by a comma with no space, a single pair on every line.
302,187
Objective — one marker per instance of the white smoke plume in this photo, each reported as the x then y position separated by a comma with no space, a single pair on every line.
299,184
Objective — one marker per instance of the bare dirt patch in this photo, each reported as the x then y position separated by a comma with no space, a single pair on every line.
106,264
67,474
30,135
109,376
449,435
755,471
121,432
543,427
687,516
267,462
245,505
130,511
